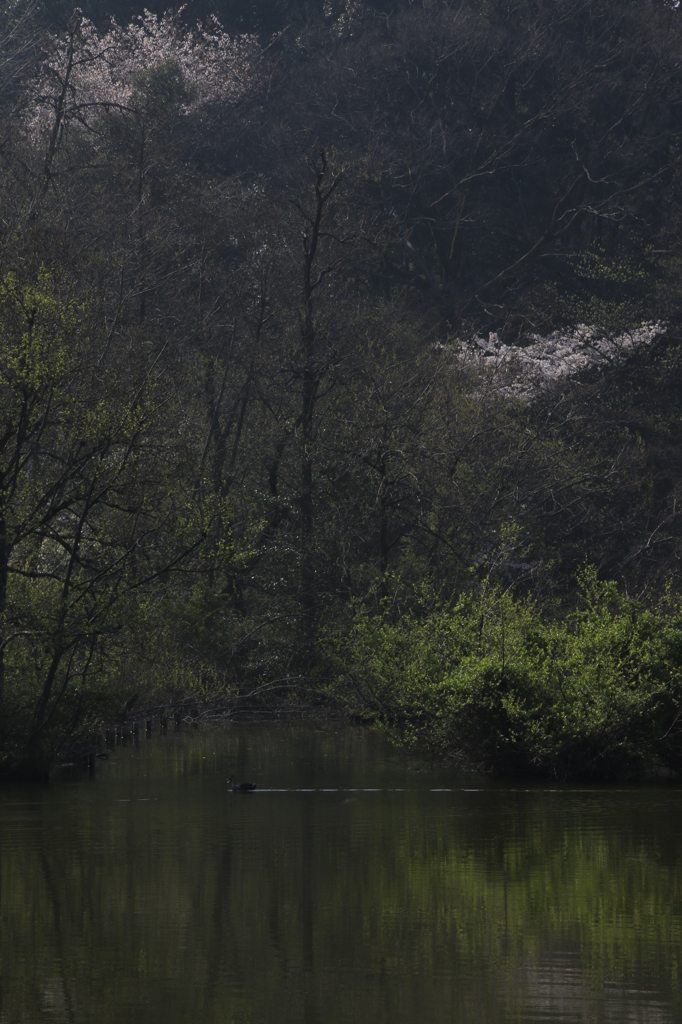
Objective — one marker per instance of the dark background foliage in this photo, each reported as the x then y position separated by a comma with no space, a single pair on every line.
277,286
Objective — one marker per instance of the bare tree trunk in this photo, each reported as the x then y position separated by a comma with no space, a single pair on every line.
41,717
58,124
383,514
309,395
3,605
310,375
140,226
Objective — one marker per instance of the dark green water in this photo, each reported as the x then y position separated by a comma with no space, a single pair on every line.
352,889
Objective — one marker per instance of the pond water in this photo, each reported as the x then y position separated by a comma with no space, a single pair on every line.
353,887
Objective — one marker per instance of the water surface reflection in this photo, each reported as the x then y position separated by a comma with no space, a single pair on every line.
352,888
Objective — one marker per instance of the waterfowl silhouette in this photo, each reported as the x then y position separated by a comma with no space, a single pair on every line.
241,787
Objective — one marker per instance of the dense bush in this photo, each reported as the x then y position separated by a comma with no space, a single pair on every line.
495,683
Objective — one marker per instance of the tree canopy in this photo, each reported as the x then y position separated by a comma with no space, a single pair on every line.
309,307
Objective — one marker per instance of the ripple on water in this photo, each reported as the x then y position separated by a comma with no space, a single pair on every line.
349,887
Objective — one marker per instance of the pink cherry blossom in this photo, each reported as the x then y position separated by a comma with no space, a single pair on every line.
85,72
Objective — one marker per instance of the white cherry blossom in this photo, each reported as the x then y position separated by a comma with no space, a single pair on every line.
523,371
85,71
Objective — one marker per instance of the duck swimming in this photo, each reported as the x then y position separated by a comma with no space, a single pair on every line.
241,787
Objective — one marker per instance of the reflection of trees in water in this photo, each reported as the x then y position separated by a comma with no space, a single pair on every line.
401,906
556,988
56,997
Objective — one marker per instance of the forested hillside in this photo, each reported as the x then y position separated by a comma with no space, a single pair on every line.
333,337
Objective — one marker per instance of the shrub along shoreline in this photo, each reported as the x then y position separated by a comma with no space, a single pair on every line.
486,682
494,683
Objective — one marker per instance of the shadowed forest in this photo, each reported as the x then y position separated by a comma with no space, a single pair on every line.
341,368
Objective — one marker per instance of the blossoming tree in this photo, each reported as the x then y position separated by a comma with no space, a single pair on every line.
85,72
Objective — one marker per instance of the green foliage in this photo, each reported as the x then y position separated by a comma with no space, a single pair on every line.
496,683
236,405
90,516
